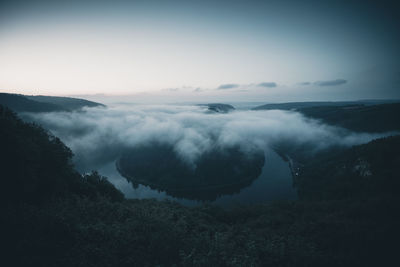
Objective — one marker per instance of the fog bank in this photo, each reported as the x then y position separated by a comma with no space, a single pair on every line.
99,135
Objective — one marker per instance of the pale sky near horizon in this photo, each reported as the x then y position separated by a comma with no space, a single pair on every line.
236,50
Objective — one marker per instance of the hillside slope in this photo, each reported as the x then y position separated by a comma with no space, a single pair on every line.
365,171
22,103
68,103
361,116
309,104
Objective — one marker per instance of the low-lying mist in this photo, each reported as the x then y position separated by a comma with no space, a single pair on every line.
99,135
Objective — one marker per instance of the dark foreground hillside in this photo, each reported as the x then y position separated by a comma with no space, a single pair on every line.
362,172
53,216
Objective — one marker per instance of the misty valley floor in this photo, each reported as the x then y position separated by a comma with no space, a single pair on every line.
98,136
345,213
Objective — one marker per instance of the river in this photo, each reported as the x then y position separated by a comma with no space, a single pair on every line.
274,183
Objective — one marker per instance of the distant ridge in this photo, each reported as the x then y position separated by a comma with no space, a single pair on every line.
25,103
298,105
361,116
218,107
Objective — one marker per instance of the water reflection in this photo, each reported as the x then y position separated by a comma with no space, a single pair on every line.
216,172
274,183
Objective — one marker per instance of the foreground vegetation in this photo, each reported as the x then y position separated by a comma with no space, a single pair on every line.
53,216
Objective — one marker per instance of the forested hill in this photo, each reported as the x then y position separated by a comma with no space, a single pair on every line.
309,104
24,103
53,216
65,102
218,107
361,118
36,166
356,116
366,171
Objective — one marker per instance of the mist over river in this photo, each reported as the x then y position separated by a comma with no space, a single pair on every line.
98,137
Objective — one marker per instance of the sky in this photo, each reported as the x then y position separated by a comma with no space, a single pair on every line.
201,50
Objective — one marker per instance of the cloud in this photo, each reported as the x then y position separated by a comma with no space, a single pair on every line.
304,83
99,135
331,82
228,86
267,84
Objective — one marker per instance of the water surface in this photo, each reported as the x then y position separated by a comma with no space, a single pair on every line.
274,183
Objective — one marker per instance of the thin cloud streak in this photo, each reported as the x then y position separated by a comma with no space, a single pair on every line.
331,82
267,84
228,86
304,83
